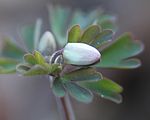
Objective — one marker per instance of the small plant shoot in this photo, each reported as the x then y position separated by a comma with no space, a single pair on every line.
71,53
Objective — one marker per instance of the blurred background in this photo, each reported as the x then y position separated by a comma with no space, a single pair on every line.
31,99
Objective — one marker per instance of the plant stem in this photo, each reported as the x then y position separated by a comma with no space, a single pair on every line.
65,108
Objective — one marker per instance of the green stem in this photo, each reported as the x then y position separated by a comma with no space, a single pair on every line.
65,108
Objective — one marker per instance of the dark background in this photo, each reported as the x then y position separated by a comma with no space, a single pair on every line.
31,99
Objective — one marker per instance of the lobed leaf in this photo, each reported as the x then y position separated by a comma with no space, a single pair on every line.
117,55
112,96
57,17
7,62
52,68
36,70
23,68
27,33
31,34
90,33
11,50
106,88
30,58
102,38
39,58
84,19
107,22
9,70
74,34
79,93
104,84
58,88
7,65
83,74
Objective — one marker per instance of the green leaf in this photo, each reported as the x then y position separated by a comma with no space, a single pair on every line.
102,38
7,62
58,17
7,65
74,34
36,70
129,63
29,58
23,68
79,93
90,33
39,58
104,84
37,33
84,19
27,34
53,68
114,97
9,70
31,34
107,22
11,50
105,88
116,55
58,88
83,74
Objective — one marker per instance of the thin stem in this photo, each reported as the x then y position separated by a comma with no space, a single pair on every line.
69,108
60,108
65,108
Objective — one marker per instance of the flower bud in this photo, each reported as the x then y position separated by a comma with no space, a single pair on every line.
47,44
80,54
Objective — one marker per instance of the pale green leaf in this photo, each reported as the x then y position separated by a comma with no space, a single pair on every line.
83,74
116,55
74,34
27,33
7,62
58,88
104,84
105,88
39,58
114,97
31,34
107,22
102,38
58,17
11,50
9,70
22,68
30,58
52,68
7,65
90,33
79,93
36,70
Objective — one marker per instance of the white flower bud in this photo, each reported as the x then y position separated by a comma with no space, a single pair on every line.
47,43
80,54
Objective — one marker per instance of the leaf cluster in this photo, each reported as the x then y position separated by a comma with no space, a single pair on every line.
35,64
95,29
